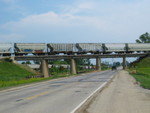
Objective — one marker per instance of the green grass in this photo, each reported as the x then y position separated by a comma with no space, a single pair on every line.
142,72
143,79
14,74
6,84
10,71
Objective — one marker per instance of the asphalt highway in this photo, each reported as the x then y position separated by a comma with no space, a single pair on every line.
55,96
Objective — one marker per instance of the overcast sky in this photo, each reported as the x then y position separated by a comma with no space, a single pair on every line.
73,21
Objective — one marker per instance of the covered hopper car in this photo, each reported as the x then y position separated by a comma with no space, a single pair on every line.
114,47
138,47
29,48
6,49
54,48
89,47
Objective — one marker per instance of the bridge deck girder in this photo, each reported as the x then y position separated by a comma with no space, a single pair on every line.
47,57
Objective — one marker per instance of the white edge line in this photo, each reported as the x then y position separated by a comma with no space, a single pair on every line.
88,97
101,86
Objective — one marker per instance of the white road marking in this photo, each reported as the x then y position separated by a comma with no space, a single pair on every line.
73,111
100,87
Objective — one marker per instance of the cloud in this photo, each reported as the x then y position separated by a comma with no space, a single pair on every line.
53,20
82,7
11,37
51,25
85,22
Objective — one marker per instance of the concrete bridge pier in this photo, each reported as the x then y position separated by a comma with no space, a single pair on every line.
124,62
13,60
73,66
44,68
98,63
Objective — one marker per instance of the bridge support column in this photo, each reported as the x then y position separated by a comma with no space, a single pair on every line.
98,63
44,68
124,62
73,67
13,60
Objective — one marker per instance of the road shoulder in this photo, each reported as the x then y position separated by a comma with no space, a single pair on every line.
122,95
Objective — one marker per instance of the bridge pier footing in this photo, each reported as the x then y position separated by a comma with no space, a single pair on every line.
44,68
98,63
73,67
124,62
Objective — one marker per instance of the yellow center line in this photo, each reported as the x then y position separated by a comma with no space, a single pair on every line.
36,96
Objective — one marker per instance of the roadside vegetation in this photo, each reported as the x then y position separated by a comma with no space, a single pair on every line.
10,71
13,74
140,70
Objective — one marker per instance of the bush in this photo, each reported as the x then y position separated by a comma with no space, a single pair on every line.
56,70
7,60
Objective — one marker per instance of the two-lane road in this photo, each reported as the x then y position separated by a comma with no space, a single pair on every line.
55,96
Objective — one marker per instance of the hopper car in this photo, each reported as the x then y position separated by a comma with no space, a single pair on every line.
29,48
138,47
56,48
6,49
114,48
89,47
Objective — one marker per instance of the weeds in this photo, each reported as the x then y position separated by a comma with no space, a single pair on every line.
142,72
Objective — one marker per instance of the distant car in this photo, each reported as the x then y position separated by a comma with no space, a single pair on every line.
114,68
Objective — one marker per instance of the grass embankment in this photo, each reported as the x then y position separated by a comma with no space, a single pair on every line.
141,72
16,74
13,74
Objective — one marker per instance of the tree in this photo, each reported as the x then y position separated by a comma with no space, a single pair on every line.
83,61
36,62
28,62
144,38
117,64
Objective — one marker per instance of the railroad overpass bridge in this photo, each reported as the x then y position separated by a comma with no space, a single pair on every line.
44,59
72,51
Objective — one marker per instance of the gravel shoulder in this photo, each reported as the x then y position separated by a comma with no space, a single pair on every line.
122,95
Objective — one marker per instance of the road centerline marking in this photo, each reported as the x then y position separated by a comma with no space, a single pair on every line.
36,96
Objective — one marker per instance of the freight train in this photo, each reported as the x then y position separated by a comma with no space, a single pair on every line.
19,49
